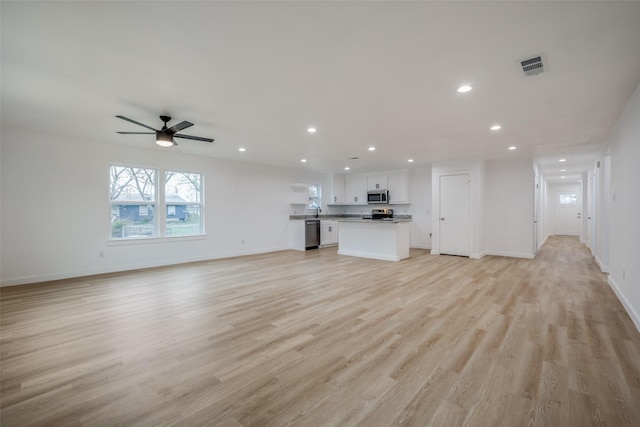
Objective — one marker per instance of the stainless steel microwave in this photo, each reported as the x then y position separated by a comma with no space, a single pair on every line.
377,196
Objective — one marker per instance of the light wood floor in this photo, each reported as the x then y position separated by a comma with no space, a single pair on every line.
313,339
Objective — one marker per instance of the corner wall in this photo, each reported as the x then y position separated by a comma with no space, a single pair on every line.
624,249
55,209
510,208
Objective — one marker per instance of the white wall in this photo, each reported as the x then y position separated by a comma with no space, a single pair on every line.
420,208
603,213
510,207
624,272
55,210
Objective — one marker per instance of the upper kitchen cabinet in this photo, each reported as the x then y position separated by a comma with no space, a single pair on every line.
398,186
377,182
356,189
338,197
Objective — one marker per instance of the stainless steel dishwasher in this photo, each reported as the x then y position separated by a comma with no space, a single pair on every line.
312,233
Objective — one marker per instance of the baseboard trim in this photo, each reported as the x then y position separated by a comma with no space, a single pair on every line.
602,267
542,243
421,246
511,254
635,317
27,280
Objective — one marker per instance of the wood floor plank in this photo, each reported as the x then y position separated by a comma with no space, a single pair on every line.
316,338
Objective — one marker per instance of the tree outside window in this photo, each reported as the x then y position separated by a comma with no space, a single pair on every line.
133,202
183,198
315,200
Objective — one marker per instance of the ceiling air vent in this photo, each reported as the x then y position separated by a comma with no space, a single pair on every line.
533,66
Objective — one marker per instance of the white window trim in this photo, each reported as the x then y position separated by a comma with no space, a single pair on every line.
160,205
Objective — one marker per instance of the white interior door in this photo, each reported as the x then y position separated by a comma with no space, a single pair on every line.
568,216
454,215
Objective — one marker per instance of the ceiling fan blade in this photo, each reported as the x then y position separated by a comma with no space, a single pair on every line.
180,126
197,138
137,133
137,123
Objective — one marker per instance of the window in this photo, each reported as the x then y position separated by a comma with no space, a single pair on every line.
569,199
133,202
183,198
314,196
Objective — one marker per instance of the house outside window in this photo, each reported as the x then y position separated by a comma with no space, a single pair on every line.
183,198
133,202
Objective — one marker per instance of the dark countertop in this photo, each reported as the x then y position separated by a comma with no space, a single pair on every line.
393,220
343,217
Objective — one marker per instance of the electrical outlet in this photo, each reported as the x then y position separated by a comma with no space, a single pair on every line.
242,240
624,273
101,254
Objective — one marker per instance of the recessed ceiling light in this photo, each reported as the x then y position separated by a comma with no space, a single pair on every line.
563,170
303,160
372,148
311,130
464,88
562,160
563,177
242,149
496,127
513,147
346,168
410,160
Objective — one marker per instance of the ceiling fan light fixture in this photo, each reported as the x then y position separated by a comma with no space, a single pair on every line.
163,139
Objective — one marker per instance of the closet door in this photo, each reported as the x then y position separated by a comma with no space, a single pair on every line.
454,215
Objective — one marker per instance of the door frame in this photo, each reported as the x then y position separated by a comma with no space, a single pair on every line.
469,223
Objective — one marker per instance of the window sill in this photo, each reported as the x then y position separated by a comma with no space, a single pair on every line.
153,240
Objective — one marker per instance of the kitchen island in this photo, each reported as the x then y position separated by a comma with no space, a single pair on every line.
386,239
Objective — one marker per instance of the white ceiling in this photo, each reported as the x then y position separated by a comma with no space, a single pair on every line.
383,74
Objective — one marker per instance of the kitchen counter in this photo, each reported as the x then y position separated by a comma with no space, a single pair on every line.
341,217
369,220
377,239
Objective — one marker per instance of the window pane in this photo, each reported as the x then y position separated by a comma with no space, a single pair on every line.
132,184
185,221
314,196
183,199
134,189
182,187
130,221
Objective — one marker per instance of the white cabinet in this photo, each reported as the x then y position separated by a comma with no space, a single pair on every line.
356,189
352,189
297,234
338,190
299,194
377,182
398,186
328,233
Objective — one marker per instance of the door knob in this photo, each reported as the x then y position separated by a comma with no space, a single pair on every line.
442,219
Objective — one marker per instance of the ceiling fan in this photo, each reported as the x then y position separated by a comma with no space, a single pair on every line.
164,136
